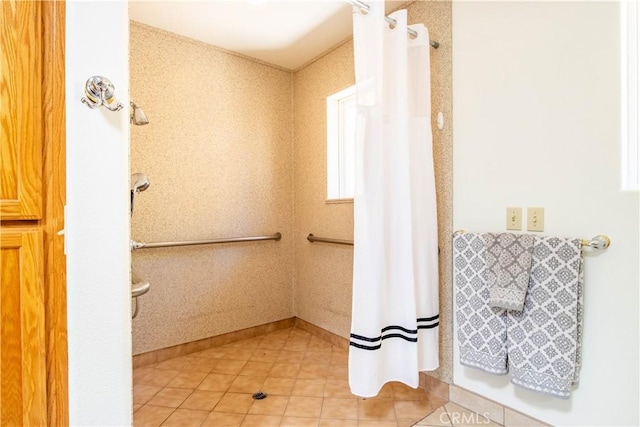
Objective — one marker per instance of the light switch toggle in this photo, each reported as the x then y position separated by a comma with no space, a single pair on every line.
514,218
535,219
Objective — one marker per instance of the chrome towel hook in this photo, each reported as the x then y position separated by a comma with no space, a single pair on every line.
99,91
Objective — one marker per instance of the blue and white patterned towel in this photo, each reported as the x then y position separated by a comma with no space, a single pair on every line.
482,330
508,257
544,340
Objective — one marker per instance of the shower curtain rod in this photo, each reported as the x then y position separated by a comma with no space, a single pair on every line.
363,6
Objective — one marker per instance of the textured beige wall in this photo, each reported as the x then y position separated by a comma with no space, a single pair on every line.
218,152
323,271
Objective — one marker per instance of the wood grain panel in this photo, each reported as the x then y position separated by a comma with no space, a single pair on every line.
21,141
10,363
53,220
22,342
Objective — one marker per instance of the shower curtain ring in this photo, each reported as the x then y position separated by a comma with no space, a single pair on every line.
99,91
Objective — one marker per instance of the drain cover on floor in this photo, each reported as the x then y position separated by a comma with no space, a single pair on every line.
259,395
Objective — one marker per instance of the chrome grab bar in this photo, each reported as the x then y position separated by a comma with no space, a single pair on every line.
313,238
142,245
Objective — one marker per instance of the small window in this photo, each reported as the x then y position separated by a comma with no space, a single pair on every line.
341,123
631,95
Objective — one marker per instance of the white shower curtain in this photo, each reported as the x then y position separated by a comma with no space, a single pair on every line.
394,329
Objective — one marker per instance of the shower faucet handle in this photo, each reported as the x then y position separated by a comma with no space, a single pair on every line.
99,91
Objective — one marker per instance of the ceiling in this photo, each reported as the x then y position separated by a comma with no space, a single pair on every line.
286,33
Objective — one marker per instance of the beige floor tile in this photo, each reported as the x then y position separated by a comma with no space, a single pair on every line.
178,363
299,333
386,390
261,421
339,358
272,344
299,422
319,357
244,384
337,388
264,355
313,370
186,418
404,392
212,353
187,379
300,406
238,403
248,344
151,416
291,356
479,404
309,387
202,400
414,410
296,344
272,405
229,367
140,373
170,397
318,344
338,372
256,369
376,409
460,417
202,364
238,354
327,422
278,386
216,382
284,370
377,423
340,408
221,419
439,417
159,377
142,393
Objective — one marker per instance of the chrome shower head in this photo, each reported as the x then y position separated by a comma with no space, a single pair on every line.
137,116
139,182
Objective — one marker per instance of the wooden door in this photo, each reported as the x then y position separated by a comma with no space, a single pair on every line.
21,137
33,339
23,381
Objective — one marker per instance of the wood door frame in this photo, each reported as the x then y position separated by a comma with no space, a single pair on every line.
54,182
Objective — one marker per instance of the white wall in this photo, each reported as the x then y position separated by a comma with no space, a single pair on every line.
537,123
97,221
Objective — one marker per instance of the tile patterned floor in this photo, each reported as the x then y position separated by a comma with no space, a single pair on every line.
305,379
